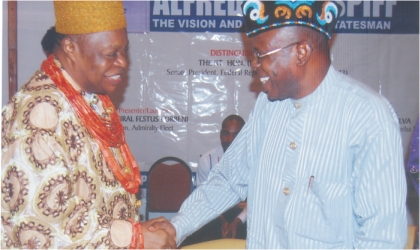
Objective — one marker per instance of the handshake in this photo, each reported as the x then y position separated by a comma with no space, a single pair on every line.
159,233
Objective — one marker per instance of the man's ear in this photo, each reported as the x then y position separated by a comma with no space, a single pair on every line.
304,53
70,48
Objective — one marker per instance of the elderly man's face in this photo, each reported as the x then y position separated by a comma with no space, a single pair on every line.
101,60
229,133
276,71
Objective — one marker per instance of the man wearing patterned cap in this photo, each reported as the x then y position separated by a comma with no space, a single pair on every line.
320,158
68,177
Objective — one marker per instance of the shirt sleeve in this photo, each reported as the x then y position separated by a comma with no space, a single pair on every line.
379,182
242,215
226,185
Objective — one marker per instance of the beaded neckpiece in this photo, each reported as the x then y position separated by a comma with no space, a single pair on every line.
107,132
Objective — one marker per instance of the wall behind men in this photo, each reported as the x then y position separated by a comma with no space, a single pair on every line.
189,67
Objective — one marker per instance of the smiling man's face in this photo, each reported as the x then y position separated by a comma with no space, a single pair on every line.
101,60
276,71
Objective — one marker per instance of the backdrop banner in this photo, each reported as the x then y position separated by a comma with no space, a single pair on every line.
190,68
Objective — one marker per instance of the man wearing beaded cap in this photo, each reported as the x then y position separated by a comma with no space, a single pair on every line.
320,158
68,177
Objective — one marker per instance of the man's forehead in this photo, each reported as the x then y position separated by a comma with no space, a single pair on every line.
231,124
104,37
266,39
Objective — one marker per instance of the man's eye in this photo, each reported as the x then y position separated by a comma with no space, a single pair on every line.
114,54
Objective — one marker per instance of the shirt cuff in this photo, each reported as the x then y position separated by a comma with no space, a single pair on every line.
242,215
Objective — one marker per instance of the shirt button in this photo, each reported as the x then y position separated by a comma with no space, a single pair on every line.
298,105
293,145
286,191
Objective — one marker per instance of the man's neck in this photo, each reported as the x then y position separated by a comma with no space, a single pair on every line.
312,79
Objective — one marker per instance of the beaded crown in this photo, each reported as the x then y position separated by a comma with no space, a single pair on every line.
83,17
261,16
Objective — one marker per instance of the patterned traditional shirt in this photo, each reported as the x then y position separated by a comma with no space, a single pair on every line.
57,190
324,171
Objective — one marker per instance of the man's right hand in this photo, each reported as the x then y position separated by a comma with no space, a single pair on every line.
159,233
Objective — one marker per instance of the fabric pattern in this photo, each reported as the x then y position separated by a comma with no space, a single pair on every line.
324,171
261,16
57,190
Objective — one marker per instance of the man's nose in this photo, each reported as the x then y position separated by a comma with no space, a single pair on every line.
121,61
254,63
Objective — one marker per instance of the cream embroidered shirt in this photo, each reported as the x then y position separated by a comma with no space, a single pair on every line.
56,188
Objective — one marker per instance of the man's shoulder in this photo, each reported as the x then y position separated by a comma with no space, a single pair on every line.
355,87
363,96
39,84
39,89
357,90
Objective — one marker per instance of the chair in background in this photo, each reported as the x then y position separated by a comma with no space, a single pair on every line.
169,183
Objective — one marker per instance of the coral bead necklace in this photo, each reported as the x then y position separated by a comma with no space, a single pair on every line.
107,132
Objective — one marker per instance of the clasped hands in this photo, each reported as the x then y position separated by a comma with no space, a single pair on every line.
159,233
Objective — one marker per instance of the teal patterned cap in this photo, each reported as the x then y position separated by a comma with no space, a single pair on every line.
262,16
